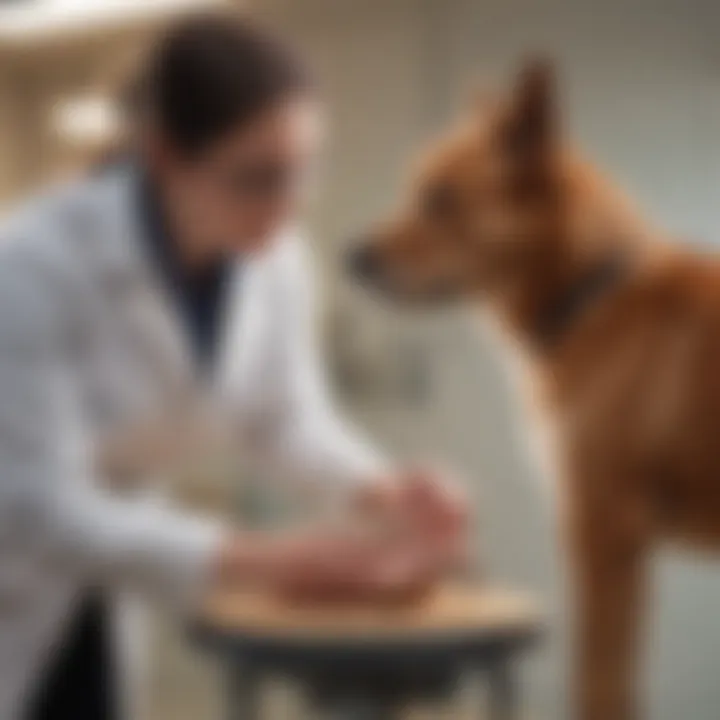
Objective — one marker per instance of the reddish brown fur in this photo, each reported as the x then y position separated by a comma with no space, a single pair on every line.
631,389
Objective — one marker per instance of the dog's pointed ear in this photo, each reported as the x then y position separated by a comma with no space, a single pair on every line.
532,123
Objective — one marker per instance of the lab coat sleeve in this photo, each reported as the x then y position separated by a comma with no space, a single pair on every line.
312,442
51,513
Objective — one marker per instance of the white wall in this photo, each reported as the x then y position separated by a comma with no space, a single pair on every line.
642,83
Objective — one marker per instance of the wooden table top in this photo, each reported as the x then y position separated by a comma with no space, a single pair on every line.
452,609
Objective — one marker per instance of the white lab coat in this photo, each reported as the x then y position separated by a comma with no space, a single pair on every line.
90,347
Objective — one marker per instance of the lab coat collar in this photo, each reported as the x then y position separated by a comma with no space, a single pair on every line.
130,273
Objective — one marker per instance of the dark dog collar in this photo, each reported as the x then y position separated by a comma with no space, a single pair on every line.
572,303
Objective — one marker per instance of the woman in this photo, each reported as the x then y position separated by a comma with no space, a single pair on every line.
171,287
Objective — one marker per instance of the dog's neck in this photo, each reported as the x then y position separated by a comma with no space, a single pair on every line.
556,318
545,295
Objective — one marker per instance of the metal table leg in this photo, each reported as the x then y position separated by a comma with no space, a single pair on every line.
503,692
356,709
243,693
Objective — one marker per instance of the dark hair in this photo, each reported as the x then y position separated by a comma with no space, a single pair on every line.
211,73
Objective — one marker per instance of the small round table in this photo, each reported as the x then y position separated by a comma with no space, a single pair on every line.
364,663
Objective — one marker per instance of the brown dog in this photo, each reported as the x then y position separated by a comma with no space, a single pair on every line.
620,330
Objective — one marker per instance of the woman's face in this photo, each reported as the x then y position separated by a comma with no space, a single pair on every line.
237,194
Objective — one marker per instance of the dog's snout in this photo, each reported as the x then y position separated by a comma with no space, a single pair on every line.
362,262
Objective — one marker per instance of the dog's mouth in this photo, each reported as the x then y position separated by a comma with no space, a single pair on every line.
366,267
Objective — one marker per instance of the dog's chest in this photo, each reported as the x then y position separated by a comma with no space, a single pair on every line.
545,441
542,430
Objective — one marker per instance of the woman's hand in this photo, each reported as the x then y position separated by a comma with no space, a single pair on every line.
408,533
353,563
426,503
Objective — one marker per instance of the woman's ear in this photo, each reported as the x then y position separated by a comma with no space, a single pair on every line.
532,122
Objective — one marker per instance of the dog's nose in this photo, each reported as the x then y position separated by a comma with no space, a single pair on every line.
362,262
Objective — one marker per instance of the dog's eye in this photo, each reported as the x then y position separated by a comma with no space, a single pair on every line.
439,202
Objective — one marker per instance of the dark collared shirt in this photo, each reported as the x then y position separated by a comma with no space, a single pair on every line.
199,293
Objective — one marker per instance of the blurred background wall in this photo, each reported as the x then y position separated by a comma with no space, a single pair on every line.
61,61
641,82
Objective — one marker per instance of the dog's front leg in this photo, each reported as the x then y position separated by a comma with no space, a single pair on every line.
609,580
